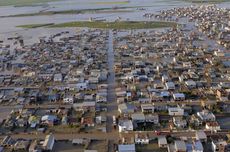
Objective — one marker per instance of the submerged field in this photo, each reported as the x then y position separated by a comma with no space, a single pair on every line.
80,11
107,25
23,2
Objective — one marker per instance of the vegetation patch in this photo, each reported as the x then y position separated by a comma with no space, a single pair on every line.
111,3
118,25
35,25
23,2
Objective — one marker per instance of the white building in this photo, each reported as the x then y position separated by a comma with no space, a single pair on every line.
125,125
212,126
68,99
178,96
147,108
58,77
162,142
176,111
170,86
141,139
206,115
48,143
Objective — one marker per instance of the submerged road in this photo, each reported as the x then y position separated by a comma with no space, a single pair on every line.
111,96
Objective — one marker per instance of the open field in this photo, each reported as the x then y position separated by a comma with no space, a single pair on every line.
117,25
23,2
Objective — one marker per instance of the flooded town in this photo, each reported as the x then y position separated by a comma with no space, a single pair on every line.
115,76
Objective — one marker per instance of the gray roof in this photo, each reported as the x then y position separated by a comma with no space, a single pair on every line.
127,148
162,140
180,145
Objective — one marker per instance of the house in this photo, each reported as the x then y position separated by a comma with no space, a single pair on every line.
147,108
180,146
144,100
178,96
165,94
48,143
176,111
85,106
164,78
87,121
218,145
100,119
49,119
170,86
195,120
212,126
21,145
206,115
79,141
82,86
152,118
125,108
141,139
197,146
7,141
179,122
162,142
33,121
190,84
127,148
68,99
138,117
101,98
34,147
125,125
58,77
201,135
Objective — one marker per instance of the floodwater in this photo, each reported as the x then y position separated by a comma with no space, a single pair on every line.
8,25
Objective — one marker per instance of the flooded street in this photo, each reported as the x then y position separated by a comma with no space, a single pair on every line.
111,98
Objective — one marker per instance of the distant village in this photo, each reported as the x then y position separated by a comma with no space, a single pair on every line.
160,90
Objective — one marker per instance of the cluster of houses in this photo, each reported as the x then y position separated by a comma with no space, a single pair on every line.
48,144
62,70
162,73
195,142
169,81
209,19
67,76
9,143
